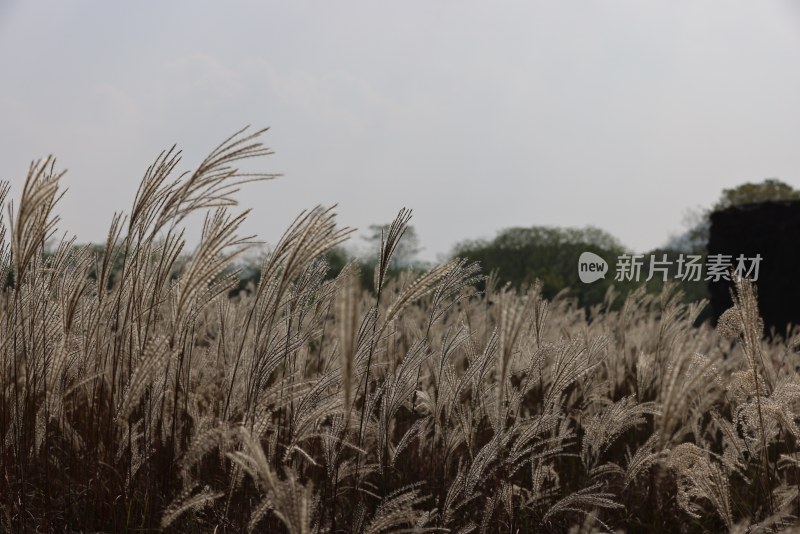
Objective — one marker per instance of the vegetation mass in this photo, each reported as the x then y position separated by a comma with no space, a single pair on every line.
137,395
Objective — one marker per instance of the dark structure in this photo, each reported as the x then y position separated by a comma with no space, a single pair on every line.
771,230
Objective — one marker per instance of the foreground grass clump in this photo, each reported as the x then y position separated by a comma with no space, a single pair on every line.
142,398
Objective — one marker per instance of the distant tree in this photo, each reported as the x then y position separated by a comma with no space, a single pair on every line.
748,193
698,221
520,256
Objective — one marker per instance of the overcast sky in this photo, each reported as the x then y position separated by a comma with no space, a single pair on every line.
477,115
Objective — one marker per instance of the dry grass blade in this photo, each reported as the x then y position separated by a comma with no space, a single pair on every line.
34,223
389,242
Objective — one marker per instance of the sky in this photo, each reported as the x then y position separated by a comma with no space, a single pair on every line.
479,116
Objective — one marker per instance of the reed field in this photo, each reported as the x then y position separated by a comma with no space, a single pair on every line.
138,395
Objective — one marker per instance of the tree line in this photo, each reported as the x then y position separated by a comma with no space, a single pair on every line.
520,256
